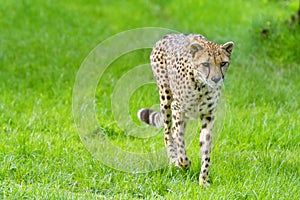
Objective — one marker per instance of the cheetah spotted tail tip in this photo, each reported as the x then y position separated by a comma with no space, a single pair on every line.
150,117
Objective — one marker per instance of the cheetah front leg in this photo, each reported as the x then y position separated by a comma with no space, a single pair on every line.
205,148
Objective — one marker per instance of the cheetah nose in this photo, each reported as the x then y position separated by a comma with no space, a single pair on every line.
215,79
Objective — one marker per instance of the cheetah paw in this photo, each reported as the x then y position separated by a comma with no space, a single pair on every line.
184,163
204,183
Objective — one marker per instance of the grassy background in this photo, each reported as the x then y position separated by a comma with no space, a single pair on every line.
42,44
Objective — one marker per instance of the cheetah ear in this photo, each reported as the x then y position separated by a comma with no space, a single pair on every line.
228,46
195,47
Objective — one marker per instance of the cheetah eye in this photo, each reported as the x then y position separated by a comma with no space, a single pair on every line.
206,64
223,64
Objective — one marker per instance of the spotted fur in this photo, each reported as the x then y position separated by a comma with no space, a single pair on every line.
189,72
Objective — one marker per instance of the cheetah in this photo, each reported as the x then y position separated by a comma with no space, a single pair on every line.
189,72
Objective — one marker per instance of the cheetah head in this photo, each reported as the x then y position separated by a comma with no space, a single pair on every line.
210,61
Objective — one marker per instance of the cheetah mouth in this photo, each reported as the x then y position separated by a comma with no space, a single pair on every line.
210,84
204,80
215,85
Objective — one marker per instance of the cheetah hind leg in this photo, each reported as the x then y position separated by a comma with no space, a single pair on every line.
163,118
159,120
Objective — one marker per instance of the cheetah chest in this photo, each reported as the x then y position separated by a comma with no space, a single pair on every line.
195,106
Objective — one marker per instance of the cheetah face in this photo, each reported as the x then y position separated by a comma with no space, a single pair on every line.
211,62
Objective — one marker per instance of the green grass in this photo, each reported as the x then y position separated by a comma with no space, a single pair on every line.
257,139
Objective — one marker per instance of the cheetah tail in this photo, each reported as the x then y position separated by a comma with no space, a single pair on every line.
150,117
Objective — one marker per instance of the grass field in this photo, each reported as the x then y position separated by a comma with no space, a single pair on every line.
257,139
